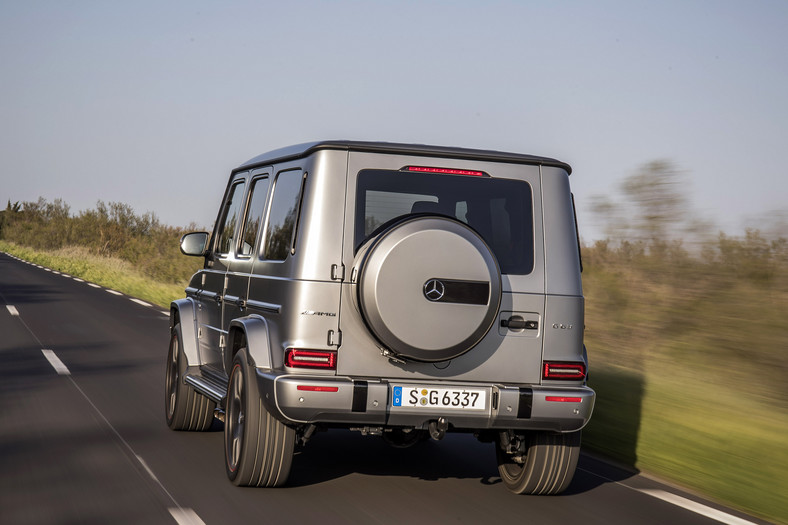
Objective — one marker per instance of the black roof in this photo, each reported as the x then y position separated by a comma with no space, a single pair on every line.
303,150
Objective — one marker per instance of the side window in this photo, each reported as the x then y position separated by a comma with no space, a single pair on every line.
283,217
232,211
254,216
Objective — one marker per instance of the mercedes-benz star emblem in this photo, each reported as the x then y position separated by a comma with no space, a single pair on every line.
434,290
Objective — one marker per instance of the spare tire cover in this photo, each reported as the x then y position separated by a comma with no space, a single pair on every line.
429,288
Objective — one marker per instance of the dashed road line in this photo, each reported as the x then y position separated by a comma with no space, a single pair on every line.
77,279
140,301
697,508
12,310
186,516
56,363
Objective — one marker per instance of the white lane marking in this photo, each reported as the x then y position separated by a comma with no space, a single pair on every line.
183,516
12,310
77,279
56,272
113,292
56,363
697,508
140,301
147,469
166,314
123,441
186,516
94,285
684,503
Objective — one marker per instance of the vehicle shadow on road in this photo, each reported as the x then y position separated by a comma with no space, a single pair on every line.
338,453
613,433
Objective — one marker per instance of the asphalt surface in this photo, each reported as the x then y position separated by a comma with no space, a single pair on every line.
83,440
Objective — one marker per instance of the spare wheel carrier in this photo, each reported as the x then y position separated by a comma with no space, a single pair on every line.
429,288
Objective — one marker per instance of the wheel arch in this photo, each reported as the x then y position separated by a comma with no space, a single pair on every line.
252,333
184,312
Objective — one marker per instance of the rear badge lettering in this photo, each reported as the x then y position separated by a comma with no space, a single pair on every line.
319,314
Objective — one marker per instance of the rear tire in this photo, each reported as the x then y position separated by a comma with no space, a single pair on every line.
258,447
548,463
184,408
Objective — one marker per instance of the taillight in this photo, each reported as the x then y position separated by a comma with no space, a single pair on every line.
446,171
563,370
323,359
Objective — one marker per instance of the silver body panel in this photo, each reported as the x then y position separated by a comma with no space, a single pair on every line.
310,300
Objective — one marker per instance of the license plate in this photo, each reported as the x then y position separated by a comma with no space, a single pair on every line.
456,398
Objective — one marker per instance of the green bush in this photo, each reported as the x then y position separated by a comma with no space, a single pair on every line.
110,230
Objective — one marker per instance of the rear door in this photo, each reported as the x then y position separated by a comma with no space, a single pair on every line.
239,267
501,202
212,291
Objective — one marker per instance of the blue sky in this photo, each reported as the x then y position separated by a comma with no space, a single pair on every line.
153,103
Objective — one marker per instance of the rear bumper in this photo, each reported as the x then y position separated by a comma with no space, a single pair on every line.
298,399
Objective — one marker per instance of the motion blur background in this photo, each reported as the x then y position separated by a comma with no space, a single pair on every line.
119,123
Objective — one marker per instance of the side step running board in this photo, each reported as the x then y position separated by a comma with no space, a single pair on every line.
212,388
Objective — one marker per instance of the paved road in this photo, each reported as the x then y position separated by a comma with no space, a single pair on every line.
83,440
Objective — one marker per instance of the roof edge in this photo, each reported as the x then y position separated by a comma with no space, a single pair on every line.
302,150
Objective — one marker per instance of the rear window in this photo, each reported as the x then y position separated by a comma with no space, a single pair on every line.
500,210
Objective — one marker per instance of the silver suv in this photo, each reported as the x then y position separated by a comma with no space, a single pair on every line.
399,290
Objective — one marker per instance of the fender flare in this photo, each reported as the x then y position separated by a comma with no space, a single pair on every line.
253,329
184,311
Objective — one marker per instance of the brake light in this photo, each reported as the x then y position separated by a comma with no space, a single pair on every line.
446,171
323,359
561,370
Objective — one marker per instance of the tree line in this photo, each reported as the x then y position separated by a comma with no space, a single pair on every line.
109,230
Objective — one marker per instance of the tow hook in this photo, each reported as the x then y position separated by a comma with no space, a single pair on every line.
438,428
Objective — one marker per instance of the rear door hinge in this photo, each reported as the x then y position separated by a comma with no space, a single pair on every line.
337,272
334,338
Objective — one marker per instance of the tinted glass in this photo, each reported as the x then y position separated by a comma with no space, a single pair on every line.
500,210
283,215
254,215
232,210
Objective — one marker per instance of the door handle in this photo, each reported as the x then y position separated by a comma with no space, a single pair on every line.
516,322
